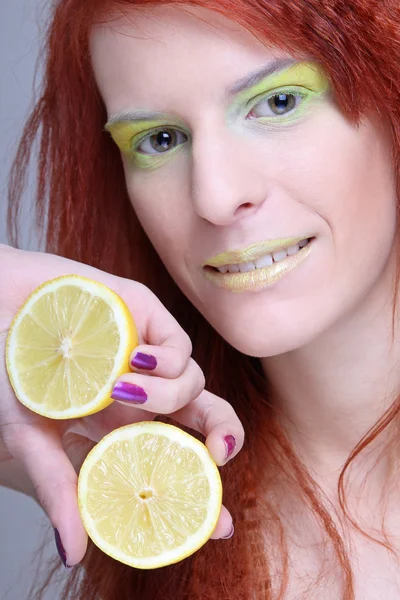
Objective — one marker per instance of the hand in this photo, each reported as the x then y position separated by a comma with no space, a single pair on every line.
52,452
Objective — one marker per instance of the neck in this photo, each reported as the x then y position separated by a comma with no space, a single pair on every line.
334,389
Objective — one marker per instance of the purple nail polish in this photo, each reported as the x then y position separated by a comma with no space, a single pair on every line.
144,361
60,548
128,392
230,534
230,444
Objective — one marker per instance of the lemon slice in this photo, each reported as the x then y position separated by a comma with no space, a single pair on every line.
67,345
149,494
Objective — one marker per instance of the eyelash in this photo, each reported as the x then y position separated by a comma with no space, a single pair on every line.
151,133
301,93
297,92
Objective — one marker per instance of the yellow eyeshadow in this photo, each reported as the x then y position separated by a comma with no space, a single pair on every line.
306,75
124,131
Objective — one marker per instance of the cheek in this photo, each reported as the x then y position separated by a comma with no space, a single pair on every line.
341,180
162,212
352,188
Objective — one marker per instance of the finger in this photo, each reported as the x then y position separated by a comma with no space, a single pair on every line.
95,427
163,361
208,414
159,395
217,421
224,528
55,480
157,329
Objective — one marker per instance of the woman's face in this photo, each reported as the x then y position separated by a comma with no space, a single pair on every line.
231,171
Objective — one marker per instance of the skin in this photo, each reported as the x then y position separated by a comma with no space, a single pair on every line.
41,457
235,178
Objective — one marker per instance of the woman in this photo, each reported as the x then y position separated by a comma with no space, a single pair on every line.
260,154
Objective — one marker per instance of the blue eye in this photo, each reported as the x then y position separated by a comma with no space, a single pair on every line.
161,141
276,105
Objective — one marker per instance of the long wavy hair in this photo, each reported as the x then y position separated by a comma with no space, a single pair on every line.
84,213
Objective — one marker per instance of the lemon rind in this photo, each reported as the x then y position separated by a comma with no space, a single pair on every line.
122,316
194,542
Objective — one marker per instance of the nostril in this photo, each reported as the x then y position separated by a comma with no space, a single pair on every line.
244,207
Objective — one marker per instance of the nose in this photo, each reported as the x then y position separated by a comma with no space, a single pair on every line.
227,183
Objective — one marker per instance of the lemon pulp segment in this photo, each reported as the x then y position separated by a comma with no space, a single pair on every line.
67,345
150,495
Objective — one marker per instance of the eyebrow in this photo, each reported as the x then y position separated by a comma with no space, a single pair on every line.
136,115
272,68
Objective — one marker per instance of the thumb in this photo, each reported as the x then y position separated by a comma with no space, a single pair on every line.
41,452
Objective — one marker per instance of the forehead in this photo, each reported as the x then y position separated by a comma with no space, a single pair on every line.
152,53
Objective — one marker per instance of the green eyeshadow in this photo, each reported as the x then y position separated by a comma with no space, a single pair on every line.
305,75
302,79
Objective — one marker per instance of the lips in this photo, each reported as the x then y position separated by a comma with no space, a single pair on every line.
254,252
258,266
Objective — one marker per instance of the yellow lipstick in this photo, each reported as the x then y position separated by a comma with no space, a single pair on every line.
255,279
233,257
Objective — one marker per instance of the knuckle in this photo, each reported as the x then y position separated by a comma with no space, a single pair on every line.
46,495
15,436
141,288
211,414
180,393
188,387
177,399
197,378
203,416
185,343
43,498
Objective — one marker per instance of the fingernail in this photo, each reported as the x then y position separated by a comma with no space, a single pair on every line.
144,361
60,549
230,534
230,444
129,393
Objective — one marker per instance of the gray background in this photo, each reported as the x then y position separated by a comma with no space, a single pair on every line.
23,526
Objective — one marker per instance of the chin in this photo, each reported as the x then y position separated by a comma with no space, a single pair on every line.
258,327
262,348
269,338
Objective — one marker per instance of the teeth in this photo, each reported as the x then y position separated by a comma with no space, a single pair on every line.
223,269
293,250
246,267
279,255
233,268
264,261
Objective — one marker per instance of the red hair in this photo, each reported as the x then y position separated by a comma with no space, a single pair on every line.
82,199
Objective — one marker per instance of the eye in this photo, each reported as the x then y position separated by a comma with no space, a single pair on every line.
276,105
161,141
